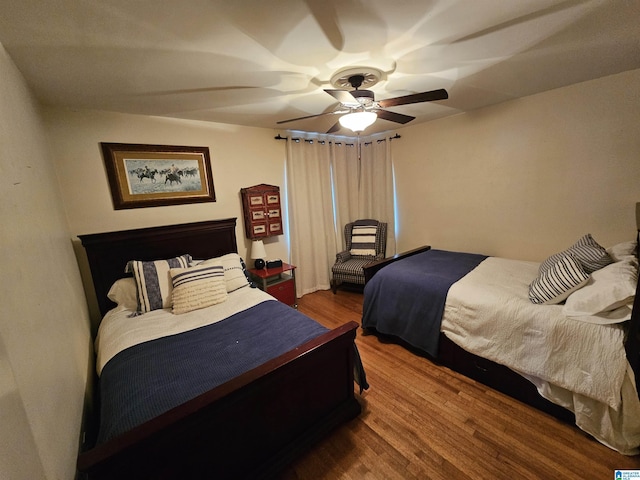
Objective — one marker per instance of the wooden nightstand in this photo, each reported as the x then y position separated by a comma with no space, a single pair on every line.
279,282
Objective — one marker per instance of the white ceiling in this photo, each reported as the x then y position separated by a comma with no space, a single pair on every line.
257,62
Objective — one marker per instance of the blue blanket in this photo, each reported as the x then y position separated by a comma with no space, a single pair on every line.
406,298
148,379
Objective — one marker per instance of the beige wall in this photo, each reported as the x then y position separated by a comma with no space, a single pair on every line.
240,157
525,178
45,344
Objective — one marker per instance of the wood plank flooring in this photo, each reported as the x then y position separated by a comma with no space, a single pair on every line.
423,421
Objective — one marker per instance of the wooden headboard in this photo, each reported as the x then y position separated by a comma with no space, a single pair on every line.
108,253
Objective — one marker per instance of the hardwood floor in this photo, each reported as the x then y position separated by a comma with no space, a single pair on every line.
424,421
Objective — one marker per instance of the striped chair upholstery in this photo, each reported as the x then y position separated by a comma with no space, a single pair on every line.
349,268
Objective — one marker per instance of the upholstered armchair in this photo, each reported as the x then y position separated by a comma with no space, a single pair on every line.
366,241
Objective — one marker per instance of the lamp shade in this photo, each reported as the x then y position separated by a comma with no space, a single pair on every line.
358,121
258,253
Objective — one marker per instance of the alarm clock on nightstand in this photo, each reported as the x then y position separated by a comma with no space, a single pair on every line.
274,263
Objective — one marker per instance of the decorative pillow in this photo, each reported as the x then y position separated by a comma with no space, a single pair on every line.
622,250
558,281
363,240
123,293
234,275
618,315
153,282
197,287
246,274
591,256
608,289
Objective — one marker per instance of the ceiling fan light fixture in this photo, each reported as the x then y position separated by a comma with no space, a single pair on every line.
357,121
369,77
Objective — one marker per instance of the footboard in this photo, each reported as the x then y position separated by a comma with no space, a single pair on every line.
249,427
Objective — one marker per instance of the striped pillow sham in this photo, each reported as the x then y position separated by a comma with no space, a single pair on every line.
587,251
153,281
197,287
234,271
558,281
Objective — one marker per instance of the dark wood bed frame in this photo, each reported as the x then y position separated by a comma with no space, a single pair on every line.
498,376
249,427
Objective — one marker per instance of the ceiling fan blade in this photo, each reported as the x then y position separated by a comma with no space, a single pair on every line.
343,96
308,116
394,117
335,128
431,96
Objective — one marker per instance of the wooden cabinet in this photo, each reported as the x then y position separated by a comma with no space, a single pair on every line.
279,282
262,211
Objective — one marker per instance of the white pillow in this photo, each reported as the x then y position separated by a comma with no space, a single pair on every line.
618,315
608,289
197,287
234,275
622,250
123,293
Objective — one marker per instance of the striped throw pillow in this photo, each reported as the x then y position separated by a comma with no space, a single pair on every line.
558,281
234,272
363,240
587,251
153,281
197,287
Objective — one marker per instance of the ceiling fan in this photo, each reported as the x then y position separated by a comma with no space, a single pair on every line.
359,108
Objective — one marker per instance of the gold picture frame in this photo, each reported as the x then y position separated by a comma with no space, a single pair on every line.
157,175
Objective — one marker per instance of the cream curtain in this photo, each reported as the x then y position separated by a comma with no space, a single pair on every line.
310,213
364,186
332,181
377,190
346,170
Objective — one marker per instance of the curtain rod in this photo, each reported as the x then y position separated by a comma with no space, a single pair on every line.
322,142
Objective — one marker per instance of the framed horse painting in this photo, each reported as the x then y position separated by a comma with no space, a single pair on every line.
156,175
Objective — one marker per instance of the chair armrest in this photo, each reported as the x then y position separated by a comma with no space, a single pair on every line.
342,257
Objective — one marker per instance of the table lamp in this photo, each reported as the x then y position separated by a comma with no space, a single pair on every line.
258,254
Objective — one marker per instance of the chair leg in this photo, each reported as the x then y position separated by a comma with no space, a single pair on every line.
334,287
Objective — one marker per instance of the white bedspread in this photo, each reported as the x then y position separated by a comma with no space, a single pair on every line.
579,365
118,330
